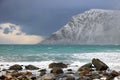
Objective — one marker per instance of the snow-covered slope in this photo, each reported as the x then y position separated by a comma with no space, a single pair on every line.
95,26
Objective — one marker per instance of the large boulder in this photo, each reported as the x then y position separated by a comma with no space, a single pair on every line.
15,67
31,67
61,65
57,70
99,65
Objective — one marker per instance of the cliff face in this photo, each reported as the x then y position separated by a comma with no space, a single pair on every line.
95,26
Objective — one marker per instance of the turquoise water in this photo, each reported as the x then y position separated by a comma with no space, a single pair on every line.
63,53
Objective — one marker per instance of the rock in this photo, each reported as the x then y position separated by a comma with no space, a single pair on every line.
68,78
2,77
23,77
110,78
6,70
33,77
61,65
6,77
31,67
17,74
114,73
88,65
64,77
49,76
1,65
84,71
117,78
43,72
69,69
15,67
69,72
99,65
86,78
57,70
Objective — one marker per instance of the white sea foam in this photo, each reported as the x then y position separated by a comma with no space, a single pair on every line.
112,59
106,57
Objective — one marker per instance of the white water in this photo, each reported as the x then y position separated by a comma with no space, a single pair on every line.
112,59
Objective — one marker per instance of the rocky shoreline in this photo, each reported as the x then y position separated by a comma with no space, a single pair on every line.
96,70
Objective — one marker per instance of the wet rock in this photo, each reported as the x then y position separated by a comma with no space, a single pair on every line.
49,76
57,70
114,73
68,78
23,77
64,77
31,67
110,78
99,65
1,65
4,70
6,77
17,74
117,78
61,65
84,71
69,72
86,78
42,72
15,67
69,69
88,65
33,77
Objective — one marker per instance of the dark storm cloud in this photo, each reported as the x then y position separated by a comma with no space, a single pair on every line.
43,17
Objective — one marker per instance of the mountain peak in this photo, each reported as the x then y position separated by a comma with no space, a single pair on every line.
95,26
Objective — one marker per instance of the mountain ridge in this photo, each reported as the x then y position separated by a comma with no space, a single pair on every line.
95,26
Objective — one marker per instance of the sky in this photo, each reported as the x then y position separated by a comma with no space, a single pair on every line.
34,20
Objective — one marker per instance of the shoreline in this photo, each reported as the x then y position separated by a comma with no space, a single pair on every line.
44,65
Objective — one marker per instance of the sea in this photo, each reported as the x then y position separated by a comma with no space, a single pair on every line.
70,54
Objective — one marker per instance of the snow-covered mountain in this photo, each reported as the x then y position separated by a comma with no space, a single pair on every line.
95,26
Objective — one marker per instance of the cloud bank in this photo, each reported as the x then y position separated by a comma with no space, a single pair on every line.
12,34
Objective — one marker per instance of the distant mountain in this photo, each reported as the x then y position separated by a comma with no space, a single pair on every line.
95,26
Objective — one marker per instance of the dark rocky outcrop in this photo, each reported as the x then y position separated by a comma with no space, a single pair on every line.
99,65
57,70
31,67
60,65
15,67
